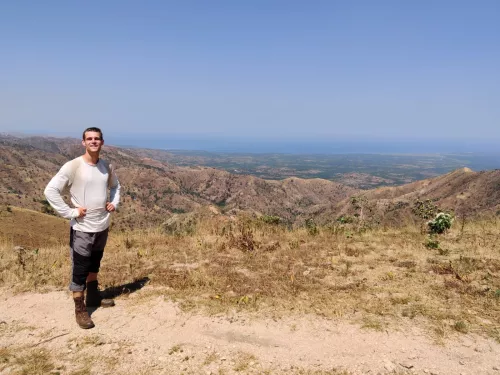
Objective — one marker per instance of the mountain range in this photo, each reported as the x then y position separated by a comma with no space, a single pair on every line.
154,190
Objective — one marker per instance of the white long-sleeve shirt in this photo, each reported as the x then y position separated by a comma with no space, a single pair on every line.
89,189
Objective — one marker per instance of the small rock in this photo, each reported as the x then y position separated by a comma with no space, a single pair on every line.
496,368
426,371
462,363
406,365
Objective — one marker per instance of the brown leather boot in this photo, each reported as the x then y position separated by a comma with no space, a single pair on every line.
81,314
94,298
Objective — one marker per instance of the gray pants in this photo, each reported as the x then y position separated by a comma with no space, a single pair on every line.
86,250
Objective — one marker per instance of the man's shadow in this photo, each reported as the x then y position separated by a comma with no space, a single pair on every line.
116,291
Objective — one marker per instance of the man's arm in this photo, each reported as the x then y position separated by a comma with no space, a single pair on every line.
53,194
114,193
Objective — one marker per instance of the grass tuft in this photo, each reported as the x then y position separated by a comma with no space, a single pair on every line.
461,327
35,362
244,361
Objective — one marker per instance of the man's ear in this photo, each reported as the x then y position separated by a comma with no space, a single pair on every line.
83,142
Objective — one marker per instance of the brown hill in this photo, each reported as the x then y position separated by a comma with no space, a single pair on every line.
31,229
152,190
463,191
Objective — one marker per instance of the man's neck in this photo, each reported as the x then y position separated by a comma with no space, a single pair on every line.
91,158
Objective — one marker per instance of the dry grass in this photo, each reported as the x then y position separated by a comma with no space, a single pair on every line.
89,340
177,348
22,361
85,370
244,361
211,357
6,355
380,275
26,360
31,228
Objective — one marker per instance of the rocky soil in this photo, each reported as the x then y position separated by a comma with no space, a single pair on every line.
149,335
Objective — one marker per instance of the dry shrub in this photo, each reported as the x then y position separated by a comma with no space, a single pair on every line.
243,238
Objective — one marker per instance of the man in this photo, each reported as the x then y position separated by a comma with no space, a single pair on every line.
89,178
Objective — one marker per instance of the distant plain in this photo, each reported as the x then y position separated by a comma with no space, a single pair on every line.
363,171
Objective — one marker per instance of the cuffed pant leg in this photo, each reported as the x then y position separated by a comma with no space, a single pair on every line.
81,269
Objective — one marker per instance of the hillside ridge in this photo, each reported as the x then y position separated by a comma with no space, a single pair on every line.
153,190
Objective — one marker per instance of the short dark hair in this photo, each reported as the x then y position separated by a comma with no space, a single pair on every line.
92,129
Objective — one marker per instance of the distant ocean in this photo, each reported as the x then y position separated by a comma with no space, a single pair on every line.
309,146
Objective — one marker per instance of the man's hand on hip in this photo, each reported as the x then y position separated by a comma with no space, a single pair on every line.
110,207
81,211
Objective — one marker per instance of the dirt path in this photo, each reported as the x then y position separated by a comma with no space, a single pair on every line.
155,337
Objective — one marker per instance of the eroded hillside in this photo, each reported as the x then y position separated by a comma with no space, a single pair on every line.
465,192
153,190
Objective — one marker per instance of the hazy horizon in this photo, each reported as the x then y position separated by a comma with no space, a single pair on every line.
307,146
345,145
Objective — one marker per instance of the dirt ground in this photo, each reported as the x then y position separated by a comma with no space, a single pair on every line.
149,335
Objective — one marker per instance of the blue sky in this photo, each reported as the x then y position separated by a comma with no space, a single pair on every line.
291,70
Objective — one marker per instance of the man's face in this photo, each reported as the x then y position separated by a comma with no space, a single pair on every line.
93,142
